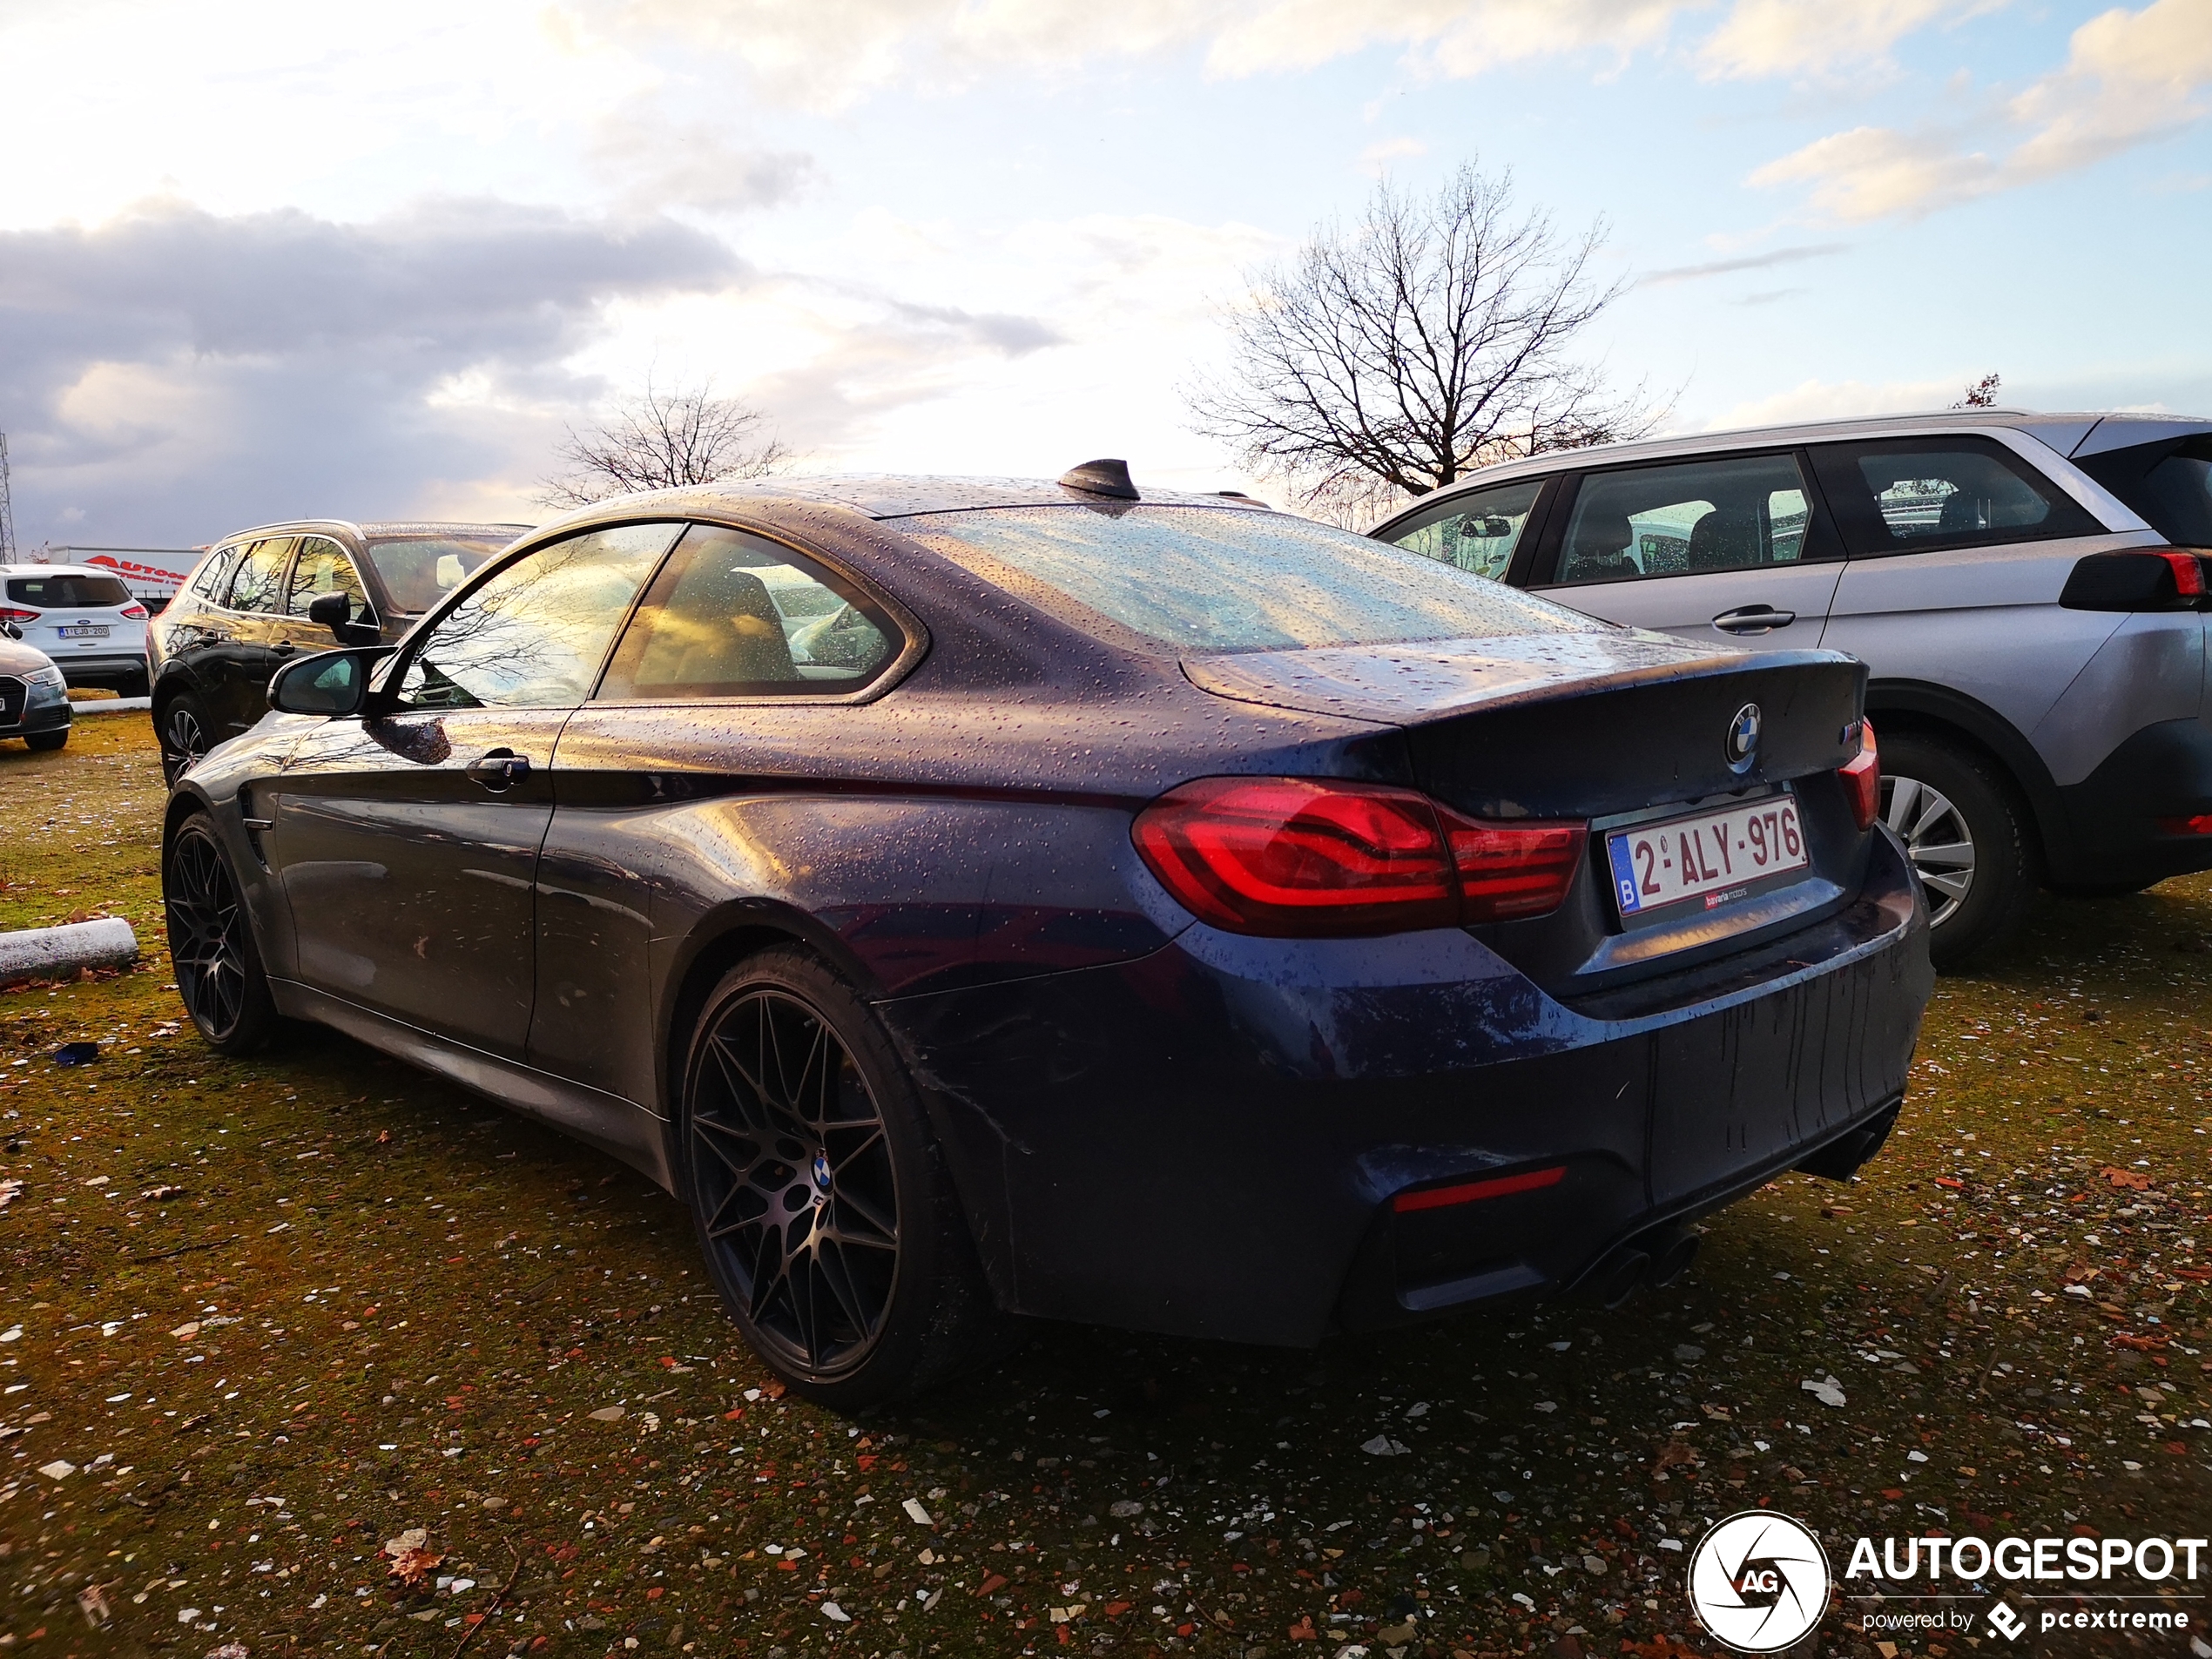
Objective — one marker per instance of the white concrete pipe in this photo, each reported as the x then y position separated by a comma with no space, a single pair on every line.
56,953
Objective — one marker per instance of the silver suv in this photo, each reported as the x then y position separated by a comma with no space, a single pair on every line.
2028,592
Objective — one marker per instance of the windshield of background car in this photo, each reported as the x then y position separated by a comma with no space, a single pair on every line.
69,592
1221,579
418,570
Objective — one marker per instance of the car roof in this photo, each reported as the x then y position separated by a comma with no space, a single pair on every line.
2070,434
884,496
374,531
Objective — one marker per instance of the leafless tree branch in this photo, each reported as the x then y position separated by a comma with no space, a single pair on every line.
1432,338
662,440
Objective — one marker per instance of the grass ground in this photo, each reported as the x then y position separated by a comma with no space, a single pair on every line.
273,1314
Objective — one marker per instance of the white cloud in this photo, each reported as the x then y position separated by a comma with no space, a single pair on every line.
828,53
2130,77
1820,37
1816,400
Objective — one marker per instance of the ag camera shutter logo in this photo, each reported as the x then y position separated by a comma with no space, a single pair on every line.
1758,1581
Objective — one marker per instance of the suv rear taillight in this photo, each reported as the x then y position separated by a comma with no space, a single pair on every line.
9,613
1863,779
2143,578
135,612
1318,857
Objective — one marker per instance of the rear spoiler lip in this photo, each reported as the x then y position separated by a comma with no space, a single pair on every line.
1298,679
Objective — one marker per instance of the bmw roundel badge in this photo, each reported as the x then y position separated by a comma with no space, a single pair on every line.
1743,738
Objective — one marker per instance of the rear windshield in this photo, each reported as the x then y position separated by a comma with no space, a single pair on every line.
418,570
68,592
1215,579
2168,485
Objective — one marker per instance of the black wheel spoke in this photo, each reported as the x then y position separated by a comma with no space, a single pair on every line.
790,1168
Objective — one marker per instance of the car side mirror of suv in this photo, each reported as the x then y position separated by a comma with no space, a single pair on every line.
10,630
334,612
329,682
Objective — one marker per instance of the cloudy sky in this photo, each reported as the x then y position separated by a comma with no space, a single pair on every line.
260,259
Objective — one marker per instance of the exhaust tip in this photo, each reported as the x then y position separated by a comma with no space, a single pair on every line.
1619,1278
1673,1259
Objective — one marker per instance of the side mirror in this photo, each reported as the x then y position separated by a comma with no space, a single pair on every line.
329,682
10,630
334,612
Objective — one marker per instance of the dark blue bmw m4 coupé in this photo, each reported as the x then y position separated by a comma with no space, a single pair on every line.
982,898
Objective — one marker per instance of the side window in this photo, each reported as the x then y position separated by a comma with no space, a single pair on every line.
214,577
1686,518
259,584
1477,532
732,614
1902,494
534,634
322,567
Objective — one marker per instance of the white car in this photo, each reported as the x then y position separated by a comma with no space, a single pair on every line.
82,617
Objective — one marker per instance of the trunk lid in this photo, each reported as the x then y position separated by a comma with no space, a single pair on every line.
1569,726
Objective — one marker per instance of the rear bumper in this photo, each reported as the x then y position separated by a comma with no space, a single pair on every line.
2116,816
1208,1142
87,667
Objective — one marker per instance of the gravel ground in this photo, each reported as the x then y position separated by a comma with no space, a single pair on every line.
265,1321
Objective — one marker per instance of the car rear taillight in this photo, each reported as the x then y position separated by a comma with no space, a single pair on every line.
2196,824
9,613
2144,579
1508,871
1318,857
1863,779
135,613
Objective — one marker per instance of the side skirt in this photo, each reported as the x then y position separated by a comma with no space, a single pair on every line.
619,1128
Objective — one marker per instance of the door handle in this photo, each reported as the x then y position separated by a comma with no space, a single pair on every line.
1753,620
499,770
284,648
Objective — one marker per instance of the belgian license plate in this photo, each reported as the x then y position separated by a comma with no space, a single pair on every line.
1714,856
85,630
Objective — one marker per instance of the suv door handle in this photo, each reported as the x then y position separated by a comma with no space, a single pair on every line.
499,770
284,648
1753,620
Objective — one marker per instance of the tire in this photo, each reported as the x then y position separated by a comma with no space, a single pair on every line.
184,732
1967,834
47,742
211,942
821,1200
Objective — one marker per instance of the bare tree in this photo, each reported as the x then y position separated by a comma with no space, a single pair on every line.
660,440
1982,395
1432,338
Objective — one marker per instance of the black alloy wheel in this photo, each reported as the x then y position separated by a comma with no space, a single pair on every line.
184,734
826,1217
211,943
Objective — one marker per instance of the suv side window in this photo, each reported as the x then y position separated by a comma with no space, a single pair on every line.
322,567
1910,495
733,615
1477,532
214,575
1683,518
533,634
259,584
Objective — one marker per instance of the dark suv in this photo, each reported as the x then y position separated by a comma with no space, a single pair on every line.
264,594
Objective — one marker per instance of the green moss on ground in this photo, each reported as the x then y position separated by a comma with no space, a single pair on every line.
273,1313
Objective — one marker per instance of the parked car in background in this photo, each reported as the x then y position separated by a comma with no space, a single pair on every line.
983,896
246,608
2026,591
34,696
82,617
